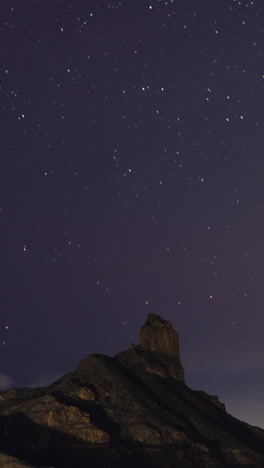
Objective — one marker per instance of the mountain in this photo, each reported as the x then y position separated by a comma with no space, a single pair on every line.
131,410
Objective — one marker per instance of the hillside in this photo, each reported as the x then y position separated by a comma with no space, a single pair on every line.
132,410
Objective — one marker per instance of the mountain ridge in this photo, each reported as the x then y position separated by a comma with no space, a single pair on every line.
133,409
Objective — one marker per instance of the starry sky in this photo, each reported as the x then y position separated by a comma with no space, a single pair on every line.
132,181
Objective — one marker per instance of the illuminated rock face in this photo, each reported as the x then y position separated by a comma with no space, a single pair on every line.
158,335
130,410
158,352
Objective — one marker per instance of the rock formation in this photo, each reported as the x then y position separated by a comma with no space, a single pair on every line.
132,410
158,352
158,335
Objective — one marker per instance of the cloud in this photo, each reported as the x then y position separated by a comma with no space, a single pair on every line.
6,382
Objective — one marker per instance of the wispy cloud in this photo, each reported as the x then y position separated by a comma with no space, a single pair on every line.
6,382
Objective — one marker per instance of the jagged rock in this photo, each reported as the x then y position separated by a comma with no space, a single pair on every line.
159,345
154,362
158,335
130,410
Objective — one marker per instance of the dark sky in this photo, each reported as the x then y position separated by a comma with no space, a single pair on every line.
132,181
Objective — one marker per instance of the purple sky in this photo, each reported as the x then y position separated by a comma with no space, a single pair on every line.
131,181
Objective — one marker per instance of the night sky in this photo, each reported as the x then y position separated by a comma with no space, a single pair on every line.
132,181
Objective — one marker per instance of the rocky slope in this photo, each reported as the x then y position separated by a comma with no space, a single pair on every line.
133,410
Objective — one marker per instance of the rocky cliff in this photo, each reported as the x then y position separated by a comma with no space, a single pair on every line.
132,410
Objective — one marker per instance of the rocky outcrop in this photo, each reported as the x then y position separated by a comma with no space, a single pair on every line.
158,335
159,346
130,410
